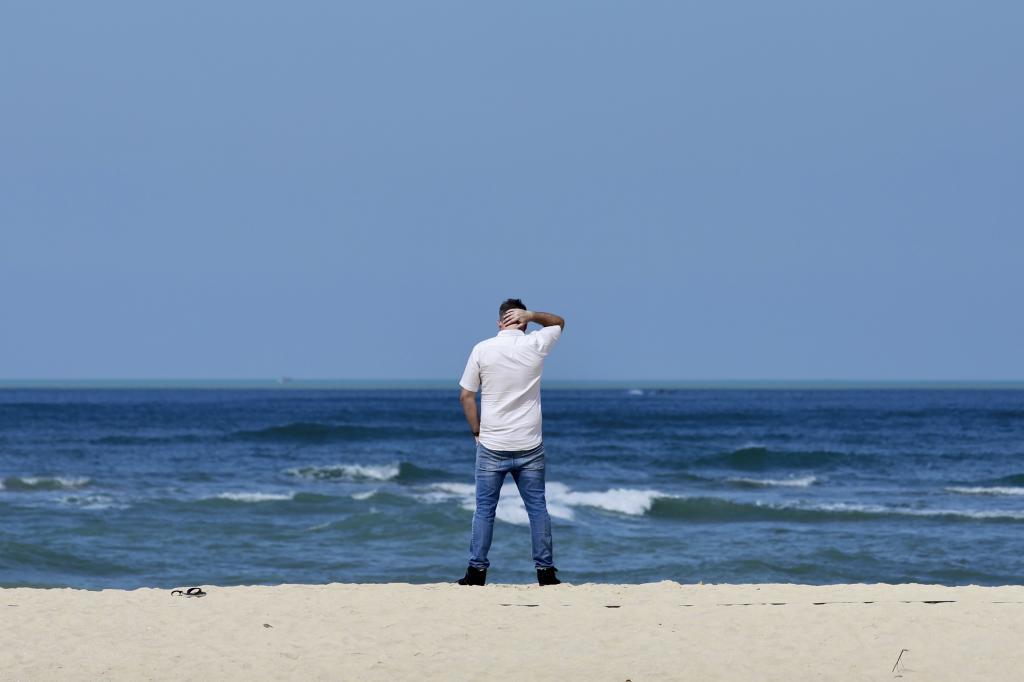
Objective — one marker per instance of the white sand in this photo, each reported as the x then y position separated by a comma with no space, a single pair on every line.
659,631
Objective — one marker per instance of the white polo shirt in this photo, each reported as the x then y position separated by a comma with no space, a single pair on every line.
507,367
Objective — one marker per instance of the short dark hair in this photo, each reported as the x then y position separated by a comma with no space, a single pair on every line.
509,304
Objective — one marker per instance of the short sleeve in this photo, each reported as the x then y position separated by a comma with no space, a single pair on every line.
471,375
545,338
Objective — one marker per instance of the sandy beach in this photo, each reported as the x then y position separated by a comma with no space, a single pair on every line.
656,631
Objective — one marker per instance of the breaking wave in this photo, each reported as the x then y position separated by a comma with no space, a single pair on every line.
1012,480
255,497
716,509
402,472
793,482
560,500
92,502
245,496
760,458
986,490
348,472
32,483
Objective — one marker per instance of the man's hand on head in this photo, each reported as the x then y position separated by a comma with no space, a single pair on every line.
516,317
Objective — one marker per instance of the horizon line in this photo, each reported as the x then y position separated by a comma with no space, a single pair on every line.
297,383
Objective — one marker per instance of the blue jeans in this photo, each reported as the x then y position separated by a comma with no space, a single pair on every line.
527,469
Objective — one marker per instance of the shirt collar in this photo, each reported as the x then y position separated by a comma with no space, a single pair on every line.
511,332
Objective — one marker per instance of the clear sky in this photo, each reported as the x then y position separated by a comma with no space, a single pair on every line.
704,190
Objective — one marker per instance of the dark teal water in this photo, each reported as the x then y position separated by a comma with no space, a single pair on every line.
127,488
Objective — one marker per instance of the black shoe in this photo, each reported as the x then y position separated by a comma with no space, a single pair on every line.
474,576
546,576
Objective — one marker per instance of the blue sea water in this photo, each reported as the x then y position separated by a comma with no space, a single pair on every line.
168,487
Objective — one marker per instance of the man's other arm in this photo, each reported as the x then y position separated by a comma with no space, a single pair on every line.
468,400
517,316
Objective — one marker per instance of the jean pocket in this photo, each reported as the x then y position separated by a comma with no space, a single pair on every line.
534,462
485,461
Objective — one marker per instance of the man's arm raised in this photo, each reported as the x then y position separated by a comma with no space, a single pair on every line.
516,316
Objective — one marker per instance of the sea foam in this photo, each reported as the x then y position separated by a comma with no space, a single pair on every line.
795,482
982,490
631,501
97,502
384,472
903,511
28,483
253,497
560,500
724,510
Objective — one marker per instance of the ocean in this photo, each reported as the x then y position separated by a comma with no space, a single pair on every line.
153,486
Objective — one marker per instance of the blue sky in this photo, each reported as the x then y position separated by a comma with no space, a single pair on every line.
733,190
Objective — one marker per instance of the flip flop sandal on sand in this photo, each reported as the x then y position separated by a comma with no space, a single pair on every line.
191,592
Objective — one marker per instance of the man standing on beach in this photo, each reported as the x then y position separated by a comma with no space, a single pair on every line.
506,368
